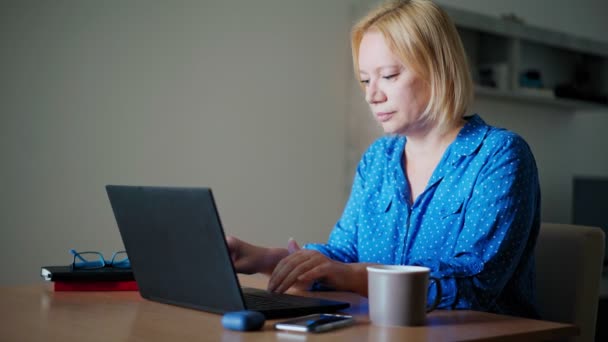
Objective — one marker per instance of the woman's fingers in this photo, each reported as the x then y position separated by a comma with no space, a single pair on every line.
246,257
333,273
287,270
291,277
234,247
315,273
283,268
292,246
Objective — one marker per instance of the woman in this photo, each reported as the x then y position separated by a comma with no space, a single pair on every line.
441,189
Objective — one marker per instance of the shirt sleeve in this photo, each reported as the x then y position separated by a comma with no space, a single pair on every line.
342,242
498,224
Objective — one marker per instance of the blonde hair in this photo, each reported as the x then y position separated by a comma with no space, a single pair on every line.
424,38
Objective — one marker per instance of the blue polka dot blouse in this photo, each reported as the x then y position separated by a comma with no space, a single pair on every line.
475,224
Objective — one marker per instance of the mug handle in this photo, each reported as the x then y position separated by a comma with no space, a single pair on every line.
437,297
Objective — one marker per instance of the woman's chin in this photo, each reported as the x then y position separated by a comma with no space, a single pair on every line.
390,129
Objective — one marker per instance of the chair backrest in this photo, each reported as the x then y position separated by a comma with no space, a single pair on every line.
569,260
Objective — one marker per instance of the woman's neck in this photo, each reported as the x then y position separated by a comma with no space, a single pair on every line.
422,155
432,141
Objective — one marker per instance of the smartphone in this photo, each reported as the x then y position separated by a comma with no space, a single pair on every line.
316,323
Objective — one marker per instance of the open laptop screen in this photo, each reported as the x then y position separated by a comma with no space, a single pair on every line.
179,255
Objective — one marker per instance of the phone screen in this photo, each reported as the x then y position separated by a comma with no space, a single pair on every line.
316,323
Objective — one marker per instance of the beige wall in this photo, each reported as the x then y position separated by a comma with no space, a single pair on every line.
247,97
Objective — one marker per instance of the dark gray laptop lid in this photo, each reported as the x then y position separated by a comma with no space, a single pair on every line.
177,247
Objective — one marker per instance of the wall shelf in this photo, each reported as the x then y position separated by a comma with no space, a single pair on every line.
526,96
505,49
476,21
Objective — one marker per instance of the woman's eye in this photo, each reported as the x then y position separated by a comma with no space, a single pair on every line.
364,82
390,76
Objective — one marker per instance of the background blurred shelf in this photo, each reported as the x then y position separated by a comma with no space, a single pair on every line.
508,48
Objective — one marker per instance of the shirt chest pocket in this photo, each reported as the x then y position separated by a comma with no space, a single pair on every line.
446,210
382,201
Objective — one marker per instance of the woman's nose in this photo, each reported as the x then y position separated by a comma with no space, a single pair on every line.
373,94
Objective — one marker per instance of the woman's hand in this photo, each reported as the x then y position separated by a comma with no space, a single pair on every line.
249,259
302,267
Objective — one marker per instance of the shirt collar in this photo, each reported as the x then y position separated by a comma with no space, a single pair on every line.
467,142
470,136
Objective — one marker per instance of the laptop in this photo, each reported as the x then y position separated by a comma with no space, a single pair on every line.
178,253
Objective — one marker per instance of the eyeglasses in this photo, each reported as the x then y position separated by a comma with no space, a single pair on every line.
94,260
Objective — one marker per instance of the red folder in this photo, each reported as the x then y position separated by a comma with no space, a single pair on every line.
130,285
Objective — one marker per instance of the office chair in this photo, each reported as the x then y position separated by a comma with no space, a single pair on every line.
569,260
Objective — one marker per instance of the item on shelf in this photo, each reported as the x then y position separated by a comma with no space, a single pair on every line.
494,75
512,17
531,79
576,93
580,88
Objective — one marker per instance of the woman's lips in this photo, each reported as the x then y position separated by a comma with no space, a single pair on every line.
384,116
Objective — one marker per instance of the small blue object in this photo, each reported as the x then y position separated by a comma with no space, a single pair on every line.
243,320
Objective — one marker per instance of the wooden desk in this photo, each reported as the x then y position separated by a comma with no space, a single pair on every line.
36,313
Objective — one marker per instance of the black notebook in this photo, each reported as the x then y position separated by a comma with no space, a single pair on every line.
67,273
179,256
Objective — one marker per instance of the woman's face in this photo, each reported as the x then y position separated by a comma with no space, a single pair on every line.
396,95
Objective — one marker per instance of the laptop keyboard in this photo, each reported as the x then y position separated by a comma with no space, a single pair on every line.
259,299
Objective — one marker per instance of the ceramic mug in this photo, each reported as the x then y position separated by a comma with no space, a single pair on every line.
398,294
